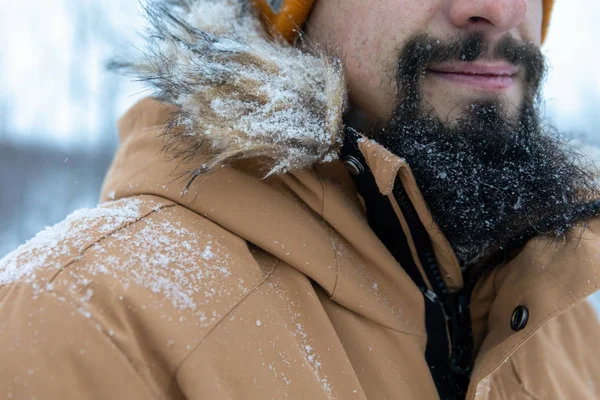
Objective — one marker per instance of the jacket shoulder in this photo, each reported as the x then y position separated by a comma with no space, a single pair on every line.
152,277
57,246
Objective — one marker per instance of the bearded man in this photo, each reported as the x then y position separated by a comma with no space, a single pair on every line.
371,209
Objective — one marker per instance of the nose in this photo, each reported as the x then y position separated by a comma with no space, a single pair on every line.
490,16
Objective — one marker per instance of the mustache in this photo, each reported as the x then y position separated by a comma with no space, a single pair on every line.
424,51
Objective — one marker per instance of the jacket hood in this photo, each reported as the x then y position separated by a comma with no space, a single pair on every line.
239,93
229,94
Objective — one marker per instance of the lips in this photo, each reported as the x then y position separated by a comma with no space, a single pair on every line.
494,77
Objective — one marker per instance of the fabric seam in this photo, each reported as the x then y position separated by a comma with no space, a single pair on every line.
108,235
330,232
526,391
211,330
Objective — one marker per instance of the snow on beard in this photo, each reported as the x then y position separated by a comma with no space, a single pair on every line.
490,181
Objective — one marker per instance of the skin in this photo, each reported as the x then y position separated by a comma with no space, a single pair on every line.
368,36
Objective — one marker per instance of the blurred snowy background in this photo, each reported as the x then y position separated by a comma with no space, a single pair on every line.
59,107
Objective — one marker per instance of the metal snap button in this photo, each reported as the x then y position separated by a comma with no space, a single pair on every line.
353,166
519,319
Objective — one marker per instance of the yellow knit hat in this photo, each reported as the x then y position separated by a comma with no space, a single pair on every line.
284,16
548,4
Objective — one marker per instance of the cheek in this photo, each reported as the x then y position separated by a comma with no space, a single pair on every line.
370,49
363,55
363,49
368,36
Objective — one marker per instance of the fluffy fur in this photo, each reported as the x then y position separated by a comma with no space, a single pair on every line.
239,93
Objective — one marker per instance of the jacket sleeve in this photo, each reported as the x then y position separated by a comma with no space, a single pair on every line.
49,350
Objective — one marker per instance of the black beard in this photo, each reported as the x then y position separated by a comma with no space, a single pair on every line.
490,182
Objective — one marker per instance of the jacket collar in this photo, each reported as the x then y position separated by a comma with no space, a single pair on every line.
387,168
549,277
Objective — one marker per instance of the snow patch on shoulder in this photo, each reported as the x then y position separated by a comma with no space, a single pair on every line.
68,238
171,260
171,263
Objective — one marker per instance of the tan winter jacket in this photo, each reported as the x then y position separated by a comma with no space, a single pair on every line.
250,288
270,289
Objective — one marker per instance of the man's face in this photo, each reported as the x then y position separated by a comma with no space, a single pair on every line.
452,86
371,36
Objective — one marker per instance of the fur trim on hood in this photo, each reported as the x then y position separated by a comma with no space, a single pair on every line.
239,93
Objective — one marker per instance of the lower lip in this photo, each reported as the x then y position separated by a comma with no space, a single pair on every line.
485,82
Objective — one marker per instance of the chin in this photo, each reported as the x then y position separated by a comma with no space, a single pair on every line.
450,113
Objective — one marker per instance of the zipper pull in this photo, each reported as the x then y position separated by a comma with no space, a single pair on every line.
430,294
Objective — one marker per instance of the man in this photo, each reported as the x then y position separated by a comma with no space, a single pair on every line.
374,211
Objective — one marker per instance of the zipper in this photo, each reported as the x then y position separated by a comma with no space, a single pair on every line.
422,242
447,317
454,306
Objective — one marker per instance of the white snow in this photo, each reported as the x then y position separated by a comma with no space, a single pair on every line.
312,358
70,236
186,268
207,254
